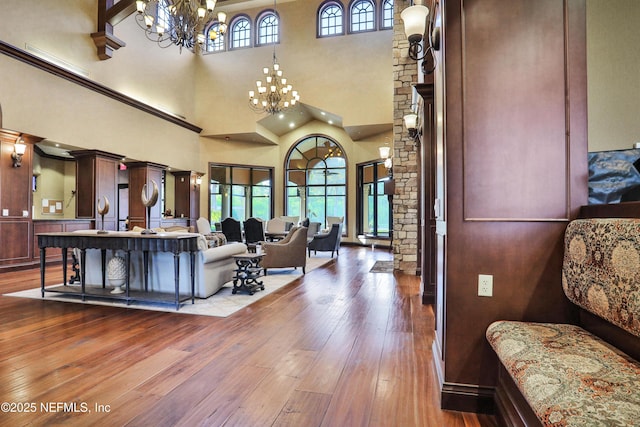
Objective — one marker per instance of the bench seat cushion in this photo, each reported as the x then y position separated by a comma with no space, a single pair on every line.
568,376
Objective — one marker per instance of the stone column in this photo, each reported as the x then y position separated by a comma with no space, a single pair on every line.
405,155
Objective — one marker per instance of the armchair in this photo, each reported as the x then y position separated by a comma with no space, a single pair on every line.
327,241
276,228
231,229
203,225
288,252
253,231
333,220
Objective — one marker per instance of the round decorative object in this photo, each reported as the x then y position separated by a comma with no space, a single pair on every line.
117,273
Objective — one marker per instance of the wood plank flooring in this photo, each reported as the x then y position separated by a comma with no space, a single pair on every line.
338,347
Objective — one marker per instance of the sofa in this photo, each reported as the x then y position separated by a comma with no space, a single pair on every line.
584,374
214,266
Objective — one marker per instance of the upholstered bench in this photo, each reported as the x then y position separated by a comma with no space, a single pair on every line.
569,376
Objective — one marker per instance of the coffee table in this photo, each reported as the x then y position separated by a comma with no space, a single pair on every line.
248,273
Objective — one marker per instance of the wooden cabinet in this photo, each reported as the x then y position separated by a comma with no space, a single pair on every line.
97,178
187,196
141,173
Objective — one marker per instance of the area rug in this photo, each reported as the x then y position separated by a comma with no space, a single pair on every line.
222,304
382,267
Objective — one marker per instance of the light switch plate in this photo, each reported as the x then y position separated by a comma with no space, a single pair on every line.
5,212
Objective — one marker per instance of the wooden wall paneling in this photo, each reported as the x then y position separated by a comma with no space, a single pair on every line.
515,164
85,187
97,177
513,82
15,199
54,226
141,173
16,241
107,186
187,196
428,195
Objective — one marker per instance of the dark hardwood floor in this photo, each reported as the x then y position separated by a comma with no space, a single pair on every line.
338,347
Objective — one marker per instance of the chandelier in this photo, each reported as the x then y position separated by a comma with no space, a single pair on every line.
179,22
273,94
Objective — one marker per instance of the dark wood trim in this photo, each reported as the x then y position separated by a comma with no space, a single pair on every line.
41,153
613,210
467,398
27,58
511,408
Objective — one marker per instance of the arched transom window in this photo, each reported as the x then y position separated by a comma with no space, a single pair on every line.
268,28
316,169
362,16
240,33
330,19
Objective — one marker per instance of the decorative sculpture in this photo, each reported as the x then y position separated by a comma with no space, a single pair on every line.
149,203
117,273
103,211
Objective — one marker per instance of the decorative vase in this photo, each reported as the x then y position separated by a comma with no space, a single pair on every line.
117,273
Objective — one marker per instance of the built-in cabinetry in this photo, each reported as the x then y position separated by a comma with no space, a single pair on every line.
97,179
187,195
141,173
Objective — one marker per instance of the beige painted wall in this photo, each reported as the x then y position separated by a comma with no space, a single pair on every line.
613,70
55,182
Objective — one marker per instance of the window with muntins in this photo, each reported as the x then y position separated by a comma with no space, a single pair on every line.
240,192
268,28
330,19
217,44
363,17
240,33
162,16
316,180
387,15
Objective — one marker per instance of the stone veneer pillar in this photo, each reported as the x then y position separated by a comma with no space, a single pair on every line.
405,153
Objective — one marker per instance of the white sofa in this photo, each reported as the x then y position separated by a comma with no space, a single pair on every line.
213,268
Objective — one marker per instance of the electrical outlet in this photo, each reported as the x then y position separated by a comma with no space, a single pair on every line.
485,285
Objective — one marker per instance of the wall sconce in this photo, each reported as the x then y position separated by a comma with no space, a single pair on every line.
415,26
411,123
197,182
385,153
18,151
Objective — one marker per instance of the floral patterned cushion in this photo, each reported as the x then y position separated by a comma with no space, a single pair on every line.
601,270
215,239
568,376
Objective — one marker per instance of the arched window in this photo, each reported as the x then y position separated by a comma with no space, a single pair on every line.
268,28
240,33
387,15
215,40
330,19
362,16
316,177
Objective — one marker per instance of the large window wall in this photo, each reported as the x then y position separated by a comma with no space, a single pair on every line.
374,206
316,180
240,192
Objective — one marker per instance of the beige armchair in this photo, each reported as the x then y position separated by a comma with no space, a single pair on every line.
288,252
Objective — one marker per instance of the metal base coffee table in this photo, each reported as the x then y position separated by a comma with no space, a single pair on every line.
248,273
